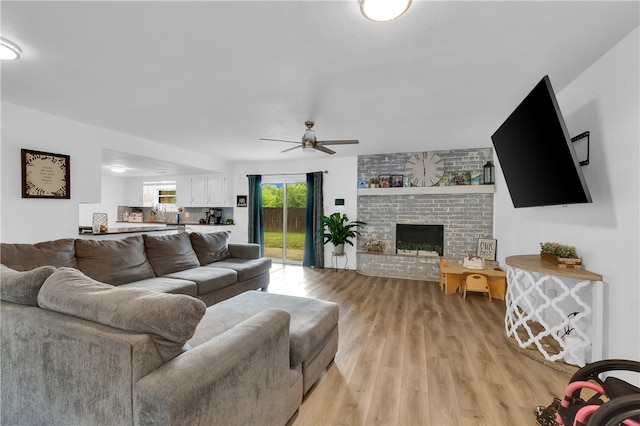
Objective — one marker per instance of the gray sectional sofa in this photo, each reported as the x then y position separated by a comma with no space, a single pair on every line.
79,350
205,266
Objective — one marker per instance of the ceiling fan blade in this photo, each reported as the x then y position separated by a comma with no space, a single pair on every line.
342,142
278,140
295,147
323,149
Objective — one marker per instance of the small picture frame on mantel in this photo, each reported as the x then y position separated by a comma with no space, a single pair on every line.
45,175
487,248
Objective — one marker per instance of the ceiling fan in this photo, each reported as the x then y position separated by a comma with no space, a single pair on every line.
309,142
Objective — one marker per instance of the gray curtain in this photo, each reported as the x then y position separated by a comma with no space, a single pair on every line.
256,217
313,246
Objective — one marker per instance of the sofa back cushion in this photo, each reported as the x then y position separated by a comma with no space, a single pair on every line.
169,319
170,253
114,261
211,247
23,257
23,287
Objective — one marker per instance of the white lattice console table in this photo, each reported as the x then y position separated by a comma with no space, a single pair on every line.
557,310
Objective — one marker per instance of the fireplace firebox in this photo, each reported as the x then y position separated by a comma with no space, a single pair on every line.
420,237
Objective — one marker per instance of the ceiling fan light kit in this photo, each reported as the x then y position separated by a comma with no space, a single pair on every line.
309,143
9,50
383,10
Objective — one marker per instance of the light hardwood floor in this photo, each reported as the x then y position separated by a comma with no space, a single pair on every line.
411,355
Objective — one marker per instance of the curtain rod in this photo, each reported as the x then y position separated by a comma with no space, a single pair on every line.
292,174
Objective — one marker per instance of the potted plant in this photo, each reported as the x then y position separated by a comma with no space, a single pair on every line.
338,230
373,245
373,182
428,250
152,215
561,255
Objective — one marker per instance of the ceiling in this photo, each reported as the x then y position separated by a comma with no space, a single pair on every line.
215,76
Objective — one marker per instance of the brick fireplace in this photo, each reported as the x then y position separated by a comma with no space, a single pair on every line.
464,217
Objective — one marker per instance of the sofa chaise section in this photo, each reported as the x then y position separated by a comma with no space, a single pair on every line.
86,352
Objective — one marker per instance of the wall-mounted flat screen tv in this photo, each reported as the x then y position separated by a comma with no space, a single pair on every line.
536,154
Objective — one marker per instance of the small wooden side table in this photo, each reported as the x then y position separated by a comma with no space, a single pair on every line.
455,273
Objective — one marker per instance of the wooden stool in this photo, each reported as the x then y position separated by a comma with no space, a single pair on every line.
476,282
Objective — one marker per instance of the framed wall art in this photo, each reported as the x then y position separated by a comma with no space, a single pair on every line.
385,181
45,175
241,200
487,248
396,181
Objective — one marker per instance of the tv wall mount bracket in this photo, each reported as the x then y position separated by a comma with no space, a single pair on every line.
581,138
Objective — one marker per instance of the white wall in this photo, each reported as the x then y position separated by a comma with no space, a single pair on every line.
340,182
32,220
112,196
606,233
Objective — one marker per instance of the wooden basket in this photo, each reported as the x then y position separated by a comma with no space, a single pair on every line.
562,262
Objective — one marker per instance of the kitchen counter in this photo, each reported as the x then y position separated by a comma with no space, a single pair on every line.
88,230
181,223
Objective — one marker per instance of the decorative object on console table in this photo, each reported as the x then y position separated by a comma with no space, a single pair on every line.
487,248
99,223
562,256
45,175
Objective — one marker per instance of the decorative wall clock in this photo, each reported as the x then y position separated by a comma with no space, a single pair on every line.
45,175
424,169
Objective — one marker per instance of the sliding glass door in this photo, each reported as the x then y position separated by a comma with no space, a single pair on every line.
283,203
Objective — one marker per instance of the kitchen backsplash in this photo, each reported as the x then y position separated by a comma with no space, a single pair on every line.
188,215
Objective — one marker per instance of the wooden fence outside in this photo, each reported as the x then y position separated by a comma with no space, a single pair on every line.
273,219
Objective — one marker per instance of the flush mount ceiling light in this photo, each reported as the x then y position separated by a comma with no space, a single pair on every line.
383,10
117,168
9,50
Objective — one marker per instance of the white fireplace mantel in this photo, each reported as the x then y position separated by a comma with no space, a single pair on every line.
412,190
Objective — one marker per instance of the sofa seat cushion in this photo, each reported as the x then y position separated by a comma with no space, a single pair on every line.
207,279
246,268
211,247
23,257
170,253
165,285
169,319
312,320
114,261
23,287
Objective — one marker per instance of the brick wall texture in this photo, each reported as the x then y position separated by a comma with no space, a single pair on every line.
466,217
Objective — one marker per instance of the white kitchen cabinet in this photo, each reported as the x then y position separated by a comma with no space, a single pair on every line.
201,191
133,196
183,191
217,191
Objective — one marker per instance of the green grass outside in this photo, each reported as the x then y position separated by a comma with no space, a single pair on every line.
295,240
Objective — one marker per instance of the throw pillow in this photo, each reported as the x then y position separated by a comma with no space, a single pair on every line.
23,257
170,253
211,247
114,261
23,287
169,319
